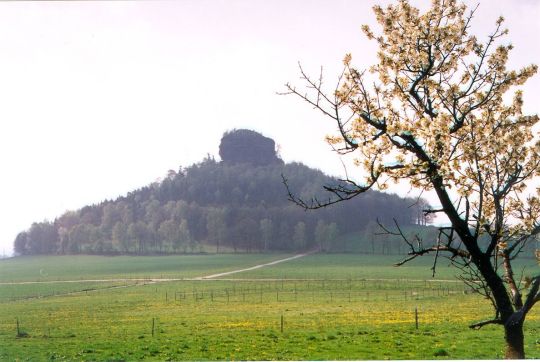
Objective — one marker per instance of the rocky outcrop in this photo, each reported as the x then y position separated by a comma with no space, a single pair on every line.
247,146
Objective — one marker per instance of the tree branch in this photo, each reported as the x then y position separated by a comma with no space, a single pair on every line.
341,193
484,323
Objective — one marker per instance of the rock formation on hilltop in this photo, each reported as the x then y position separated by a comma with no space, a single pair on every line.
246,146
237,204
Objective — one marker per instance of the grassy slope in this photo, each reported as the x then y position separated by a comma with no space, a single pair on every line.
354,266
73,267
358,266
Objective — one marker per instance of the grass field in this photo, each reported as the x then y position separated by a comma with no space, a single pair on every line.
353,266
362,266
52,268
330,313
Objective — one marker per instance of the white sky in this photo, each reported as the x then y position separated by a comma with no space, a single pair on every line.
100,98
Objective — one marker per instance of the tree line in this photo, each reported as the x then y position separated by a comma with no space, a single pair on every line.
228,207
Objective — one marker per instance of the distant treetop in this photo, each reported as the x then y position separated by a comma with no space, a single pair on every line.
247,146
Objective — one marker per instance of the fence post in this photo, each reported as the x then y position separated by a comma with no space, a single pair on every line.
281,323
153,325
416,317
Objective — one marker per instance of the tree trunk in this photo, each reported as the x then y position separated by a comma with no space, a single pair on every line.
513,336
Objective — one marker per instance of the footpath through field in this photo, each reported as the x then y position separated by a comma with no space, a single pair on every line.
159,280
218,275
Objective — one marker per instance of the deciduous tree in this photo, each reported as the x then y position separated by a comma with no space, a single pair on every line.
20,244
120,236
267,232
299,236
321,235
436,113
216,226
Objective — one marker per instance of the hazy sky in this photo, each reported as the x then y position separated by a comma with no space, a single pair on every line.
100,98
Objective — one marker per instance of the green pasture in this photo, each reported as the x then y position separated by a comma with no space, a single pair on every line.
15,292
363,266
73,267
353,266
333,316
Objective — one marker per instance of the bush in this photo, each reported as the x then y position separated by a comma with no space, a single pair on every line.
440,353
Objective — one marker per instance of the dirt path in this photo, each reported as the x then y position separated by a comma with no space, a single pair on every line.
160,280
116,280
214,276
135,282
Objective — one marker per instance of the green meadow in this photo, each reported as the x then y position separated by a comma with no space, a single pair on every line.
320,307
73,267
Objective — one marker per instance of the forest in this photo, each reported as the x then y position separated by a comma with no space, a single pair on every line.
238,204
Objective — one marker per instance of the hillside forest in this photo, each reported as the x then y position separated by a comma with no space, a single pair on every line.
238,204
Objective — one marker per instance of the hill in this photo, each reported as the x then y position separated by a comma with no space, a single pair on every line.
237,204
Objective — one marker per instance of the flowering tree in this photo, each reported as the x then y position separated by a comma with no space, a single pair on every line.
437,118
